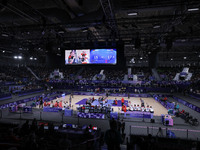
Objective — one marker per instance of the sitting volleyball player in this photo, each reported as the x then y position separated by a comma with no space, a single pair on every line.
134,108
138,108
131,108
143,108
147,109
151,109
129,104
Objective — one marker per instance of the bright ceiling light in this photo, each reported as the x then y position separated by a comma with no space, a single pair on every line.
15,57
184,57
35,58
171,59
31,58
19,57
5,35
132,14
61,32
156,26
4,51
85,30
193,9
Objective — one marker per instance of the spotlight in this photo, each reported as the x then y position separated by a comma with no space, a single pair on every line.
15,57
61,32
156,26
85,30
35,58
184,57
141,58
193,9
31,58
19,57
171,59
4,34
132,14
4,51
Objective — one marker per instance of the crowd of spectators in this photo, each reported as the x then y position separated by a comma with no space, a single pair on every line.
114,77
36,135
168,73
89,73
15,79
115,74
14,73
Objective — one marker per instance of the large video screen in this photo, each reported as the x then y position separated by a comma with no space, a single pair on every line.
90,56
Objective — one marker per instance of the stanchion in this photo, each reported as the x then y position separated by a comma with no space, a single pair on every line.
78,120
143,117
40,115
20,114
62,116
1,114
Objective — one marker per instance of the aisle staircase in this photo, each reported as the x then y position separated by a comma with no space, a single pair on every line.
176,78
29,69
155,74
79,72
103,76
189,76
125,77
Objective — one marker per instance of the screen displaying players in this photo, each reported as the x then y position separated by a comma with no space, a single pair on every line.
90,56
77,56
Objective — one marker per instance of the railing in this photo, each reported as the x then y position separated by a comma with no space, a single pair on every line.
32,91
86,144
192,106
195,95
179,133
26,100
0,114
5,96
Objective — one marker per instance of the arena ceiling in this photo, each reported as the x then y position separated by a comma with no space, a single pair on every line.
37,26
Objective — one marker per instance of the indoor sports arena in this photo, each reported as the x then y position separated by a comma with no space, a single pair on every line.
99,75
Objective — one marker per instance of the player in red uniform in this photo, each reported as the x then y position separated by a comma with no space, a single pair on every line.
122,100
60,104
115,101
56,104
124,108
83,59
